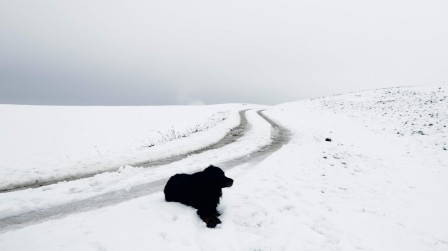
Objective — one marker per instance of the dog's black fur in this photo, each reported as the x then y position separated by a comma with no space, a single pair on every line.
201,190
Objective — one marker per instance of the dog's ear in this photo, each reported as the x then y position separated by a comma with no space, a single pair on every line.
219,177
213,169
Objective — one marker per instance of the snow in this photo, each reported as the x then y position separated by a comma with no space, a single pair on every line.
43,143
379,184
381,190
127,177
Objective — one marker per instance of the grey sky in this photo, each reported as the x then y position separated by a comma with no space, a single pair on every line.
108,52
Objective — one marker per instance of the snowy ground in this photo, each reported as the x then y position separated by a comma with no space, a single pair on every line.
40,143
379,184
127,178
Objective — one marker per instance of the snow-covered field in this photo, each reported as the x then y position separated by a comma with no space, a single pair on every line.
41,143
128,177
379,184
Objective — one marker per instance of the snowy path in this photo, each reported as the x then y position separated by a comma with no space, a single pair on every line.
233,135
278,136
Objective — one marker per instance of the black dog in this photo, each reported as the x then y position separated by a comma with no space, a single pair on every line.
201,190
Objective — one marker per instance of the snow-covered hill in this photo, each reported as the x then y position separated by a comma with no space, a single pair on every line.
363,171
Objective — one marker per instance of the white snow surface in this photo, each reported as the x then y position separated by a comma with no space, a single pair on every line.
42,143
379,184
127,177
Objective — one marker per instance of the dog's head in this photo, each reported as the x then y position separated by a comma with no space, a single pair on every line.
218,177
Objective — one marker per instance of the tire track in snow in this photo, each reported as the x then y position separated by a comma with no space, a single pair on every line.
233,135
279,137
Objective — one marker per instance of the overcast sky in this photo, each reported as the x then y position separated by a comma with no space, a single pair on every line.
144,52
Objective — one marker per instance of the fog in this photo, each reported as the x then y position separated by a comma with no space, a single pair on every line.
205,52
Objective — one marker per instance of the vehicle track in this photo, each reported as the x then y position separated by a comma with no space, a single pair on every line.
233,135
279,137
